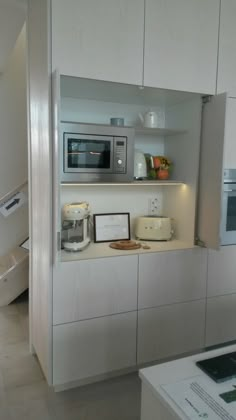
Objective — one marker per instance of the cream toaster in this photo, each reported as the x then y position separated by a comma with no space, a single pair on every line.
153,228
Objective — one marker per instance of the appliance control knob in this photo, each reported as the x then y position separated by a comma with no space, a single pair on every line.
119,162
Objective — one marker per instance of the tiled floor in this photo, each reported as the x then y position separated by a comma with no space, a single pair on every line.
24,394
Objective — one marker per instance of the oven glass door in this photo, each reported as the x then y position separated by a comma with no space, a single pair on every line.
89,154
228,228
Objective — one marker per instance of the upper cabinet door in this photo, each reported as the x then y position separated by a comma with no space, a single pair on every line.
226,80
99,39
181,40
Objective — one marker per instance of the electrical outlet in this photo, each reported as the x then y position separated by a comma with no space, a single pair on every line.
153,206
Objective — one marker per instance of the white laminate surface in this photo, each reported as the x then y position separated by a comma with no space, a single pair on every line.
163,331
90,289
108,33
221,271
166,278
171,372
226,54
102,250
40,187
220,319
91,347
179,37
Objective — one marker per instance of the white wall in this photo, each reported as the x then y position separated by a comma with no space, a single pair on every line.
115,199
13,142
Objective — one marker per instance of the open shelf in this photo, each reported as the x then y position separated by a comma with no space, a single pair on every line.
166,132
124,184
158,182
158,131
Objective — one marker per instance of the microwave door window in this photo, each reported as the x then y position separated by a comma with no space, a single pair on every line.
89,154
231,213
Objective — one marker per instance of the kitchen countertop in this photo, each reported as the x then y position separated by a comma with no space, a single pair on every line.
102,250
169,373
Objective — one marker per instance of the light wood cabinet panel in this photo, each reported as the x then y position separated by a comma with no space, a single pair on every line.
226,79
99,39
40,187
170,330
220,320
93,288
92,347
181,40
169,277
221,271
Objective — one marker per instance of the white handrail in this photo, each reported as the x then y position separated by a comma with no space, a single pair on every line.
13,192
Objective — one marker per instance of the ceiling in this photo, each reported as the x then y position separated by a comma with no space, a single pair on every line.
12,17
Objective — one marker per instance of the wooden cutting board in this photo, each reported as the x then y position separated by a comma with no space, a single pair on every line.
125,245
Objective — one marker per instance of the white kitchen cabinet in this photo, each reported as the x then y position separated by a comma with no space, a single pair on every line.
93,347
221,296
170,330
171,277
220,320
105,40
78,347
99,39
94,288
221,271
181,41
226,79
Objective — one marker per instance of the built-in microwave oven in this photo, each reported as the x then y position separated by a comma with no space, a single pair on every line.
228,214
96,153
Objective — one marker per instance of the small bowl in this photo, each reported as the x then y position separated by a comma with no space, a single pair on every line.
117,121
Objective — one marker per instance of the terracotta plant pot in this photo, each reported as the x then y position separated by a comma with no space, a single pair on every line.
156,162
163,174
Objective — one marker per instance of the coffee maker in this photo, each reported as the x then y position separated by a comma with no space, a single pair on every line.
75,226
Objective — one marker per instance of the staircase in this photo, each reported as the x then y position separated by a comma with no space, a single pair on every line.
14,274
14,266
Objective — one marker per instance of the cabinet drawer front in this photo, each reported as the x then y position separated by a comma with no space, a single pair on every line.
92,347
221,271
170,330
169,277
94,288
220,320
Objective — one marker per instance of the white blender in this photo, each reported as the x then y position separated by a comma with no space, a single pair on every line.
75,226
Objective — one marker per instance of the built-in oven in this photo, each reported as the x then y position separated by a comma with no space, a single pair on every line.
228,216
96,153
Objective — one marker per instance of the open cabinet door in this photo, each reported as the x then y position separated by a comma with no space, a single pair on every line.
211,171
56,208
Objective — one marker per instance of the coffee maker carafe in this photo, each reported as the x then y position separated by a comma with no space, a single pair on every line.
75,227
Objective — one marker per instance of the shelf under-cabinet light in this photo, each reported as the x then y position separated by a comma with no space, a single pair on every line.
132,184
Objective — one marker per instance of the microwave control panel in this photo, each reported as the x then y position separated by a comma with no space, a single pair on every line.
120,154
